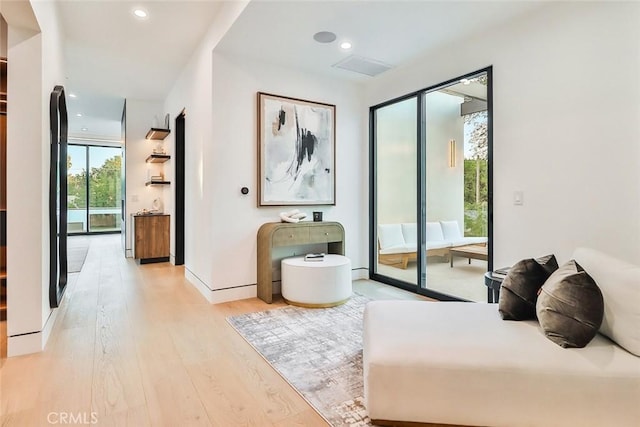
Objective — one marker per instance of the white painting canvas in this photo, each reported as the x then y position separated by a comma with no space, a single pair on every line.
297,151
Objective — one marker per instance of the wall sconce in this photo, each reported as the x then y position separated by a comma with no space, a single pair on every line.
452,153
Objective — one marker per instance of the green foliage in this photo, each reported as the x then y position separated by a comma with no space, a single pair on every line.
475,197
474,193
475,219
104,185
76,190
476,183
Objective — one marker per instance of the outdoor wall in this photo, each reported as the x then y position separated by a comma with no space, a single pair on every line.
396,166
141,116
34,68
445,185
566,125
397,156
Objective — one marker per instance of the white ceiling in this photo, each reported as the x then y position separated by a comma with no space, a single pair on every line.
111,55
391,32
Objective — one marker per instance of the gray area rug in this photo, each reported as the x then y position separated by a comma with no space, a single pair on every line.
77,248
318,351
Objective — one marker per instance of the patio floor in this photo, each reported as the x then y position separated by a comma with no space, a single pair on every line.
464,280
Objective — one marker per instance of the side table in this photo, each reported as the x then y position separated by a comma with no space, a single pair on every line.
316,284
493,282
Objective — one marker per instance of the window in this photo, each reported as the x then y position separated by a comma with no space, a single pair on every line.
93,176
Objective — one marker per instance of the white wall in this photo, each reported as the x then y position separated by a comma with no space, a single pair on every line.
566,125
219,94
141,116
445,185
233,164
34,68
192,92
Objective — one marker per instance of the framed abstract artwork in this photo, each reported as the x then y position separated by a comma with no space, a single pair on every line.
296,151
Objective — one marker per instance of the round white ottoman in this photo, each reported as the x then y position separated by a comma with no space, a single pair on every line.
325,283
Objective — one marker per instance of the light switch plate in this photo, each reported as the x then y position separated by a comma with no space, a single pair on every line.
518,198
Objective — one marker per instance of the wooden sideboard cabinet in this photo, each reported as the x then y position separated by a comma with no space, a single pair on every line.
277,234
151,238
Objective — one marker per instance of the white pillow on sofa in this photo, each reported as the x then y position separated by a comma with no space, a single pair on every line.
619,283
434,232
451,230
410,233
390,235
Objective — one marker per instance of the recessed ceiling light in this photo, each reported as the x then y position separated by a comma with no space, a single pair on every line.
324,37
84,129
345,45
72,95
140,13
78,114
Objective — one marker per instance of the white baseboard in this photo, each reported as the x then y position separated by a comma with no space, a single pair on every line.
359,273
217,296
24,344
34,342
48,326
233,294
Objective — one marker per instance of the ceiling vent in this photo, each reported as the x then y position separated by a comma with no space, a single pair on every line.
361,65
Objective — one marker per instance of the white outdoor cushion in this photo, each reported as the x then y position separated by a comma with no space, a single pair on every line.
460,363
438,245
399,249
451,230
390,235
619,282
434,232
469,241
410,233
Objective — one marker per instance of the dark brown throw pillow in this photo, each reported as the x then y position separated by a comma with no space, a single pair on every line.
520,287
570,306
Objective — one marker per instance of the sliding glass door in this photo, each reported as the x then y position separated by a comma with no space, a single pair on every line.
94,189
395,180
430,189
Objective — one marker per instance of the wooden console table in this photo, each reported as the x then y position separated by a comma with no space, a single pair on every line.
277,234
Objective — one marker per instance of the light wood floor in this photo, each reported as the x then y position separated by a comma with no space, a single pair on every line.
138,345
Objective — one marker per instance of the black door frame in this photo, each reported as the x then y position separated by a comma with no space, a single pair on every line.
180,188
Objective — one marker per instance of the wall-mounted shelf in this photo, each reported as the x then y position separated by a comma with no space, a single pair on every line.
157,183
157,133
158,158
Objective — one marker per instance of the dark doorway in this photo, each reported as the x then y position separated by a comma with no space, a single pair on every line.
179,221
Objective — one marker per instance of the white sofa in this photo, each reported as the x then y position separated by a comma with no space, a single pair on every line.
460,363
397,243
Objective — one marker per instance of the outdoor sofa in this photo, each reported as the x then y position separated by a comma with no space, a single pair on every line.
397,243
